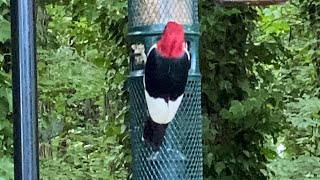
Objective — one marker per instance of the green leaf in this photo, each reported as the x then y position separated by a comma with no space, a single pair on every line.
209,159
219,167
237,109
4,106
247,153
226,114
4,29
264,172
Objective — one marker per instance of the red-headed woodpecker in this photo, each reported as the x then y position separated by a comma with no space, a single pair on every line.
165,78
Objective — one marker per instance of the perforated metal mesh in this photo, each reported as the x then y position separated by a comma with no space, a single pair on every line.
180,156
150,12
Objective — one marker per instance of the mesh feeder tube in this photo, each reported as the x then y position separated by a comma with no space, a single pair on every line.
180,155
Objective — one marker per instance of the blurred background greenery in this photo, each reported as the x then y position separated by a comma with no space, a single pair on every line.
260,76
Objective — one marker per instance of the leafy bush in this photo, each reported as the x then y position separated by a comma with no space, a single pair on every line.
242,106
260,80
6,136
81,76
295,26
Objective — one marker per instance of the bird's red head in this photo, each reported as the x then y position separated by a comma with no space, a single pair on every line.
171,44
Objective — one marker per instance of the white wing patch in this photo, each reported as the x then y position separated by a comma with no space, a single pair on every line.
157,107
173,108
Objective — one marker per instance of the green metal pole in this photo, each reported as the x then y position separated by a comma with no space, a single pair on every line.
180,156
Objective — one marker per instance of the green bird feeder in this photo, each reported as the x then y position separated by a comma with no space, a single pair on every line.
180,155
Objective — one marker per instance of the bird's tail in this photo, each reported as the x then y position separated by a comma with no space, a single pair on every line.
154,132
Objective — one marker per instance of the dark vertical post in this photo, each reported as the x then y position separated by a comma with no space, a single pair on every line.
26,160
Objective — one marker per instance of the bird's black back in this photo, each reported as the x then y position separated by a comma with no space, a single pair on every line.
164,77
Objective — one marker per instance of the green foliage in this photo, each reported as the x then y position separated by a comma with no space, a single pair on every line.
4,22
6,169
6,136
299,74
82,67
242,105
304,167
81,72
259,67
